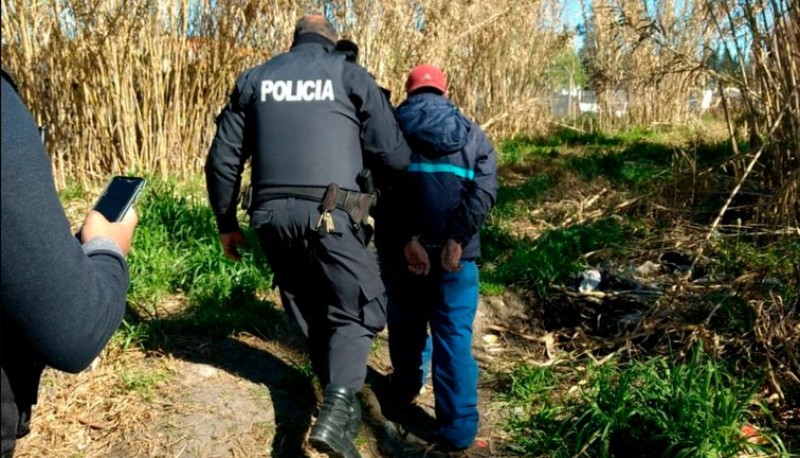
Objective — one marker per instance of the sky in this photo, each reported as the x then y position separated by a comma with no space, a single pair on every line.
571,16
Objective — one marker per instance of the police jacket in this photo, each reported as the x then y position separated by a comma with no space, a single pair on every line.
452,178
60,301
307,118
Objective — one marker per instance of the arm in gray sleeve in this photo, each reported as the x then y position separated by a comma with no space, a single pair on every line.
481,195
227,157
381,138
64,301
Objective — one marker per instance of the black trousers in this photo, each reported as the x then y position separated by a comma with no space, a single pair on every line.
329,284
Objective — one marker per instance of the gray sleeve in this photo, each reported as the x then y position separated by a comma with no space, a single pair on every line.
98,244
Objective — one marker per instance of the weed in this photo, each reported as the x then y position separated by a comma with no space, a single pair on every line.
519,149
636,165
733,314
131,335
305,372
778,259
515,200
488,288
72,191
654,408
143,382
177,251
553,257
377,345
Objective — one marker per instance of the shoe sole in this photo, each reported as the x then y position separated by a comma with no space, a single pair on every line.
321,445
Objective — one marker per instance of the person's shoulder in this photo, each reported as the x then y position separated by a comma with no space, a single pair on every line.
356,72
478,134
8,79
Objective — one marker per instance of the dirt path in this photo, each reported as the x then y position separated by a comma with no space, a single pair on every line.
242,396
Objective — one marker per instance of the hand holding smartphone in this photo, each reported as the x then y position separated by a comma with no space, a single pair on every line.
110,216
119,196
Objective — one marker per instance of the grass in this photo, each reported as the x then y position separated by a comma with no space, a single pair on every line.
131,334
776,258
513,201
654,408
177,253
71,191
663,406
552,258
651,407
143,382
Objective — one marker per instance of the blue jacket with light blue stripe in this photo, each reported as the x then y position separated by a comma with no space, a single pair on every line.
452,179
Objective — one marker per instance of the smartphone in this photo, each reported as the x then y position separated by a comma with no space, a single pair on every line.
119,196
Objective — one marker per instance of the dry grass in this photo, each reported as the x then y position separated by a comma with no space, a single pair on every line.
643,59
653,57
135,86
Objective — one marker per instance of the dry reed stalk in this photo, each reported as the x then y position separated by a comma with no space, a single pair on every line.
636,54
135,86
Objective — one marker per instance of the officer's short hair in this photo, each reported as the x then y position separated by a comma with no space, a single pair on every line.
315,23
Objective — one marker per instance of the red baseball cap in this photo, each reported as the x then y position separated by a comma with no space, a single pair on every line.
426,76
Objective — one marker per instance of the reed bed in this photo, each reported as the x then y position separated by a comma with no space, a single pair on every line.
649,58
134,86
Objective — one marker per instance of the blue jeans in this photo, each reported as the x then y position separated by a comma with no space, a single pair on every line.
446,302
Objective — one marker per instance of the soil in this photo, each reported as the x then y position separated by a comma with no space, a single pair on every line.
241,396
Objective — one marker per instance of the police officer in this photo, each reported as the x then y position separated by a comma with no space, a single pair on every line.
309,119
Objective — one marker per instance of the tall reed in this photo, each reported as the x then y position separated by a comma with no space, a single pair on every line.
135,85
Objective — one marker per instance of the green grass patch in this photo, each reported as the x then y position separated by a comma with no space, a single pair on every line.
778,258
637,165
72,191
555,256
512,201
177,252
732,314
654,408
488,288
635,158
143,382
131,334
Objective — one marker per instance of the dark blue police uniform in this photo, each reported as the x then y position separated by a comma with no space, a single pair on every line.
309,118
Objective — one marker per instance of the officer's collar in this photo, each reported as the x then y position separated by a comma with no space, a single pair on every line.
313,39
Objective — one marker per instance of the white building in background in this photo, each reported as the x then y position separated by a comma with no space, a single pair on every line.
572,103
567,103
701,101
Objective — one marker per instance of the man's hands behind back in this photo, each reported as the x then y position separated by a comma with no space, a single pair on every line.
417,258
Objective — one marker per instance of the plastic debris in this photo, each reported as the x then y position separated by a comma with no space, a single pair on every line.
590,281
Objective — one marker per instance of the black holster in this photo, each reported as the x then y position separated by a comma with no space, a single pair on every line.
247,198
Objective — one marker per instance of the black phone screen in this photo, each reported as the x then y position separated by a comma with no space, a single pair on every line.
119,196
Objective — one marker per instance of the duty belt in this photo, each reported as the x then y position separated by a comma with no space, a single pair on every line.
302,192
356,204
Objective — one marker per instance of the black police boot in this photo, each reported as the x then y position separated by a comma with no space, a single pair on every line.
338,423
